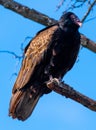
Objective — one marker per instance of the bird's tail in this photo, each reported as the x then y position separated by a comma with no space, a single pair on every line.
23,103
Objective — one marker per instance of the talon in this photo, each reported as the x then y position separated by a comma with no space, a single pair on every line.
56,81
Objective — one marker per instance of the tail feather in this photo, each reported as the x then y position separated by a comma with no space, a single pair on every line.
23,103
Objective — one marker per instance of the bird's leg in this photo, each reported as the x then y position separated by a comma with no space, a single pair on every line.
51,82
51,79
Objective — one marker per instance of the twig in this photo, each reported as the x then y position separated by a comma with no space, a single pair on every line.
11,53
90,19
25,40
59,5
69,92
89,10
77,4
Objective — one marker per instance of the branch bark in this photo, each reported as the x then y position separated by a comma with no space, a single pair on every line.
55,85
26,12
42,19
87,43
69,92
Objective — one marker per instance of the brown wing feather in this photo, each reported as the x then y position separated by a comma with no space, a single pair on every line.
33,56
23,102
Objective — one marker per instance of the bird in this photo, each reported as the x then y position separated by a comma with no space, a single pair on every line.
50,54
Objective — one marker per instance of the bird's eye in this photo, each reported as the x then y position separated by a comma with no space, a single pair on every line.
73,17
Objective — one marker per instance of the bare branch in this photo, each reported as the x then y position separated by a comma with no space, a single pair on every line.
89,10
89,44
69,92
27,12
42,19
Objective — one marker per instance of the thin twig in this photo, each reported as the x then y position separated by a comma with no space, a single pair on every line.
11,53
88,11
90,19
59,5
75,5
25,40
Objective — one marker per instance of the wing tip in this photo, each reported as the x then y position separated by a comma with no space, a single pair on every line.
22,104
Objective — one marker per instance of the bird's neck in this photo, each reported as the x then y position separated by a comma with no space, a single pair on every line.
69,31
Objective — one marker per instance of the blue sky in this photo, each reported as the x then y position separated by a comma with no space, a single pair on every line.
53,111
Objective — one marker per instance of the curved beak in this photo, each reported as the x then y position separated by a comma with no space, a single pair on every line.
79,23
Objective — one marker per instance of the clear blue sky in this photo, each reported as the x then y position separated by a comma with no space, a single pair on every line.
53,112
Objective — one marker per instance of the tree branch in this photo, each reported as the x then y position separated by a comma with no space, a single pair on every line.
60,4
89,10
41,18
87,43
27,12
69,92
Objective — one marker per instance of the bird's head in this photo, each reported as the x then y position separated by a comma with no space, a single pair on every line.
69,19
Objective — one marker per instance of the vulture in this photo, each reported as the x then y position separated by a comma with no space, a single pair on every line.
50,54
